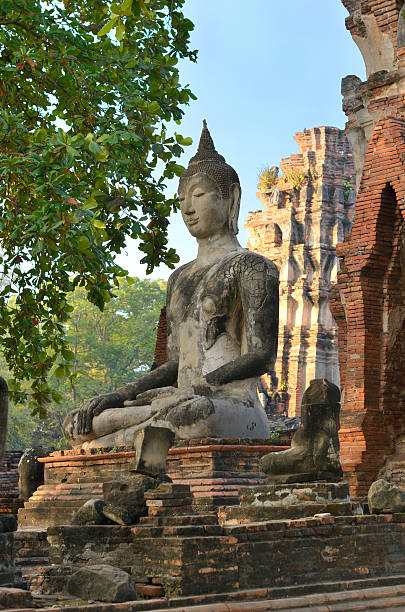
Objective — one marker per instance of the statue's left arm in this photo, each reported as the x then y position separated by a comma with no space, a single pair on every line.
258,291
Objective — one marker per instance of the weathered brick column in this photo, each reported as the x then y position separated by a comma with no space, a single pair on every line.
369,308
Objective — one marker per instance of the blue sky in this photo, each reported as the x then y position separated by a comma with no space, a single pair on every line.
266,70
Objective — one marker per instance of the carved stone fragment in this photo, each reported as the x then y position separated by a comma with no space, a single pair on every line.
102,583
31,472
385,498
314,452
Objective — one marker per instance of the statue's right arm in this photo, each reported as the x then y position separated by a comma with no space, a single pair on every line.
163,376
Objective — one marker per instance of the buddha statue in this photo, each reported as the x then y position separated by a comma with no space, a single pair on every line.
222,327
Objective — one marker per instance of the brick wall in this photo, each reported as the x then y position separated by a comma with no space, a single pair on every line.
368,306
161,340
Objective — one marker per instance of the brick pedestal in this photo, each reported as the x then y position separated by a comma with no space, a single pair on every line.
213,468
216,468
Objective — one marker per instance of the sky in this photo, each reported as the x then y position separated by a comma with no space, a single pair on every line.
266,69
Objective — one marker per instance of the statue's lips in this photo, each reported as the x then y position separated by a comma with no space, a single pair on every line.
192,221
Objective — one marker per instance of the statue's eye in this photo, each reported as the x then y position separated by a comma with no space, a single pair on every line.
198,194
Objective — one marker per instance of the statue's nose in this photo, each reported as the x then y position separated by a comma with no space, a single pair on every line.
188,207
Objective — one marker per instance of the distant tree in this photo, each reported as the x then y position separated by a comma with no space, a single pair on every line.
110,348
87,88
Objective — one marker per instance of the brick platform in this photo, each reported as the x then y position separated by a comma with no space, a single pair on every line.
195,555
214,469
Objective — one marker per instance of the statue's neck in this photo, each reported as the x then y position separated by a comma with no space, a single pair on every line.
209,249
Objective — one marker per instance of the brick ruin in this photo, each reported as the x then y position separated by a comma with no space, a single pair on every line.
368,302
306,212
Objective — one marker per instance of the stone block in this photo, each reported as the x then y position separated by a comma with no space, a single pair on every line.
15,598
102,583
8,523
152,445
91,513
128,492
386,498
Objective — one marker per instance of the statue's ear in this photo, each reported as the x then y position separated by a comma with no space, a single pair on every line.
235,193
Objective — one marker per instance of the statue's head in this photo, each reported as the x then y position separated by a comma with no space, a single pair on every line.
209,192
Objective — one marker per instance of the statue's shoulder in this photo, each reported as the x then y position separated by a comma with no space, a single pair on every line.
248,261
174,276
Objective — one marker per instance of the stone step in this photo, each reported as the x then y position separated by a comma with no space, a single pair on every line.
45,517
61,500
185,531
23,562
192,519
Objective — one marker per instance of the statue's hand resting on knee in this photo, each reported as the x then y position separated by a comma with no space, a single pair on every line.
81,420
95,406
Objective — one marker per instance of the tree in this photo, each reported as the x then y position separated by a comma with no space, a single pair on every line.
87,88
110,349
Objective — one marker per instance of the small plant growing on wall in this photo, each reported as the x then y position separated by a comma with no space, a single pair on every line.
293,176
348,188
267,178
283,385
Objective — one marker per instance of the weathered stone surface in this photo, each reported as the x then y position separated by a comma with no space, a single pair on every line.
11,598
117,515
292,231
102,583
314,452
31,472
227,294
381,45
289,494
91,513
75,546
128,491
152,445
8,523
7,567
288,501
386,498
237,515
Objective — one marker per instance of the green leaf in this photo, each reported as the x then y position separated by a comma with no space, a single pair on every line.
90,203
178,169
98,223
154,108
99,152
68,354
184,141
59,372
120,31
108,27
83,243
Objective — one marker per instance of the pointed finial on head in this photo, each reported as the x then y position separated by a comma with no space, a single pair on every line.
206,148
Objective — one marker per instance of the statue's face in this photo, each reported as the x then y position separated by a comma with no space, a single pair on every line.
204,211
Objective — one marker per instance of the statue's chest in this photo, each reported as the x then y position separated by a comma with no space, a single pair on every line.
203,294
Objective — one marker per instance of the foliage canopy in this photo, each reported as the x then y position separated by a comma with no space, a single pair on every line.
87,88
110,348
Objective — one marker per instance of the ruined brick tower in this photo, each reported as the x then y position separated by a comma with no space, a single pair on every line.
369,299
306,212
